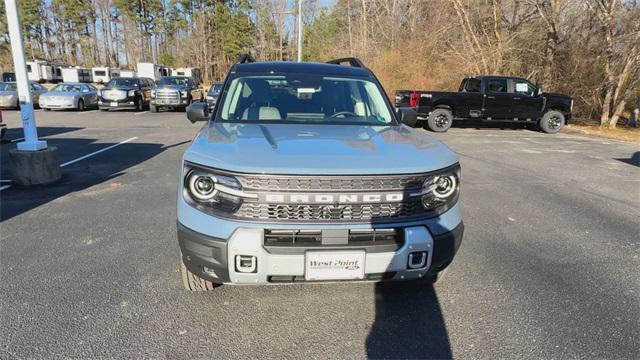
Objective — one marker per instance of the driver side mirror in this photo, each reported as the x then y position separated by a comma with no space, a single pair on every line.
408,116
198,111
539,91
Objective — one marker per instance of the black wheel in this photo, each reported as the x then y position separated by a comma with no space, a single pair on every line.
140,105
192,282
80,105
552,121
440,120
153,108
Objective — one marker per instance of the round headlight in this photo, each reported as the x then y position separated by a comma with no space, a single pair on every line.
445,186
183,93
202,187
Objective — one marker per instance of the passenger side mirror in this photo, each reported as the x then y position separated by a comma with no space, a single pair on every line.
539,91
198,111
408,116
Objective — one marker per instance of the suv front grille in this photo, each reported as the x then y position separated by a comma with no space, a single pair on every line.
313,238
331,213
320,183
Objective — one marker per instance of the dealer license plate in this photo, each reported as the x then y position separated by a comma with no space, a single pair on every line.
114,104
334,265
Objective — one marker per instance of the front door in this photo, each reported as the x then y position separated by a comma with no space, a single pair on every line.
527,104
497,99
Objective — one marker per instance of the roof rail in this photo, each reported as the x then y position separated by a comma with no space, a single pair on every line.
352,61
245,58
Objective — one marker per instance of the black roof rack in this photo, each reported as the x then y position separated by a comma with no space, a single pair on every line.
245,58
352,61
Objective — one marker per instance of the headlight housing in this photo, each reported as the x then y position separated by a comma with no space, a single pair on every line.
153,93
209,97
212,191
440,190
184,93
131,93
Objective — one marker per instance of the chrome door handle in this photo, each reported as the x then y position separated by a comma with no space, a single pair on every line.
491,97
516,98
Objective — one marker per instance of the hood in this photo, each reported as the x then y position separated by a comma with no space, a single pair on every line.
172,87
8,93
121,87
213,94
318,149
60,93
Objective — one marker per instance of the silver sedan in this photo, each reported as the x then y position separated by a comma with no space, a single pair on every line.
9,94
76,96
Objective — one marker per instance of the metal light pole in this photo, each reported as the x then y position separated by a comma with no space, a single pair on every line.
31,142
32,162
299,30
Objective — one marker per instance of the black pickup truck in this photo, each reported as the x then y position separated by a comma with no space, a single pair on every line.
489,98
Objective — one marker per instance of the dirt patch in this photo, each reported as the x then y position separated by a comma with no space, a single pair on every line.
626,134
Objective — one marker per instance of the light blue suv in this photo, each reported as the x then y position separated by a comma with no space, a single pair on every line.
305,173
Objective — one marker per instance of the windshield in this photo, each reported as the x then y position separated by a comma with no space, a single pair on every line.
215,88
304,98
173,81
122,82
7,87
66,88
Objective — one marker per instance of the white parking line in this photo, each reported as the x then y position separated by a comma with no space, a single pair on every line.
85,156
140,113
98,152
85,112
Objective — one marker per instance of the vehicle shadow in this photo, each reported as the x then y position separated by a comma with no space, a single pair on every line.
483,125
77,176
634,159
44,131
409,323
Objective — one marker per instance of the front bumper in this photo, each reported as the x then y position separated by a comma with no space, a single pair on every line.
8,102
212,255
168,102
127,103
56,105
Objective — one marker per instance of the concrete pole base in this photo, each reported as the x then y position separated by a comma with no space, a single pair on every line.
34,167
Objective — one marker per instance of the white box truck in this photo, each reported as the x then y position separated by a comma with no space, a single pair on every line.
40,71
127,73
102,75
193,73
153,71
77,75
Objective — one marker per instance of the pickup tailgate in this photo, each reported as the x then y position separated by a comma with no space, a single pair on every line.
421,101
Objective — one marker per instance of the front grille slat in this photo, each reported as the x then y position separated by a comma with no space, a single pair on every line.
312,238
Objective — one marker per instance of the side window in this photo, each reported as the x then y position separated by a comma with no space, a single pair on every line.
524,87
472,85
497,85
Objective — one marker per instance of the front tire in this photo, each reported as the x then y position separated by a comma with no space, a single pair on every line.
80,105
153,108
552,121
440,120
192,282
140,105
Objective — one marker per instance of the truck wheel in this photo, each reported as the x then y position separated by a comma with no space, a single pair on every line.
440,120
80,105
552,121
153,108
192,282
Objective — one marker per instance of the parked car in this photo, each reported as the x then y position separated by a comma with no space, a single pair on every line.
8,76
125,93
304,173
3,127
77,96
489,98
175,92
212,95
9,94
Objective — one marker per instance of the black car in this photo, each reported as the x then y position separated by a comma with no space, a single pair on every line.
175,92
125,93
490,98
212,95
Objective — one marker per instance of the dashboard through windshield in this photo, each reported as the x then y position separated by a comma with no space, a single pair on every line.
304,98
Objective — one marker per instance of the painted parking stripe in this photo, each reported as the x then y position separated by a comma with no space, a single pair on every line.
97,152
85,112
86,156
140,113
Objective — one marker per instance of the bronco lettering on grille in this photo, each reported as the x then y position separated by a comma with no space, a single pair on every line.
298,198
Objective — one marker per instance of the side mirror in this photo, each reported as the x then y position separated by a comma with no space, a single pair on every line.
408,116
539,92
198,111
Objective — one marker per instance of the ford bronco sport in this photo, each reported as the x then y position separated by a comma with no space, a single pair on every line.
304,173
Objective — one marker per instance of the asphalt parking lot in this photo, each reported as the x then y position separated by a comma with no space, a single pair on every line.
549,267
